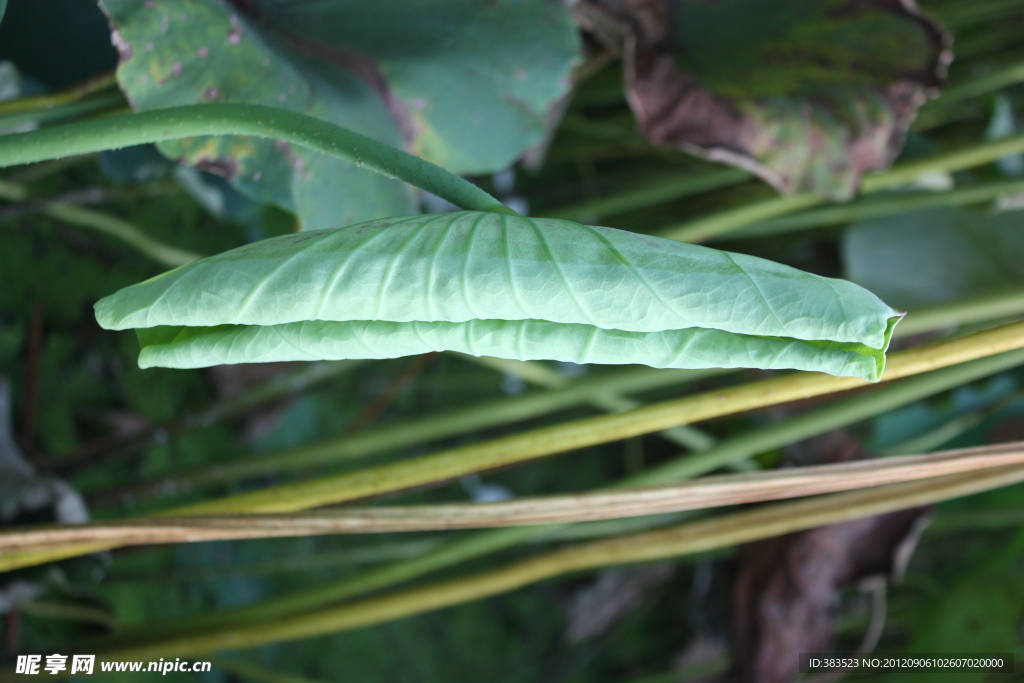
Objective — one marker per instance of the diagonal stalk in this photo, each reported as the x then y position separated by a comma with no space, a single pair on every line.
602,391
281,386
106,224
723,222
175,123
880,206
975,309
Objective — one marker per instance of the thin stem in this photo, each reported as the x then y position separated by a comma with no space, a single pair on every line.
46,169
605,397
667,189
369,554
424,429
722,222
532,371
962,312
947,162
689,538
392,390
77,92
958,15
879,206
67,612
838,414
277,387
123,231
717,224
946,432
89,196
974,520
96,105
106,224
976,87
175,123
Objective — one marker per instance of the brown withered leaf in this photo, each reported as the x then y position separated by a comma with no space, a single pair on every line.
807,94
786,589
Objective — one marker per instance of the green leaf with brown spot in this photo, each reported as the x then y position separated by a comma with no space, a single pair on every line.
465,84
808,94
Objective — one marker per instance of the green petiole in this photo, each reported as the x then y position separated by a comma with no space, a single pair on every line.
175,123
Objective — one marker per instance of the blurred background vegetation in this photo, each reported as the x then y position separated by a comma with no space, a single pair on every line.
946,245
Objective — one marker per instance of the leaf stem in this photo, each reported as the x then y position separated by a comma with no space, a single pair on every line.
398,435
843,412
104,223
880,206
174,123
956,426
976,87
723,222
277,387
104,81
670,188
991,306
101,103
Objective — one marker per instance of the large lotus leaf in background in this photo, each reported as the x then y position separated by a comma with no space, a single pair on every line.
808,94
500,285
936,256
467,84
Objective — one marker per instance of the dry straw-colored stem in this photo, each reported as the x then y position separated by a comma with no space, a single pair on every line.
586,507
683,539
591,431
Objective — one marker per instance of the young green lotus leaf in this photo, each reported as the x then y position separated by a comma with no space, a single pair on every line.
500,285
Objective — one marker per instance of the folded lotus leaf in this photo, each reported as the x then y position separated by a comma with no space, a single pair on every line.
501,285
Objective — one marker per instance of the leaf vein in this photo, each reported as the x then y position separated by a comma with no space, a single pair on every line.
636,272
757,289
561,274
